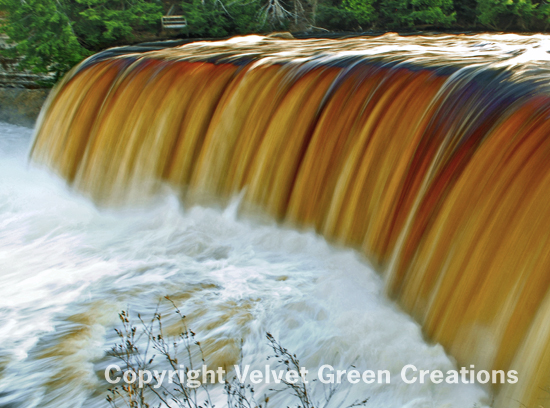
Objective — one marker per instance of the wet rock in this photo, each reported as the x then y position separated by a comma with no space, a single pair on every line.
21,106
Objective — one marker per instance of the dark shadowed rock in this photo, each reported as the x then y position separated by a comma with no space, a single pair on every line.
21,106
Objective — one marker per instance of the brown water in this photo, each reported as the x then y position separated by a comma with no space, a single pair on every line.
428,154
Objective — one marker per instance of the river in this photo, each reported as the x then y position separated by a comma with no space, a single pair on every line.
68,269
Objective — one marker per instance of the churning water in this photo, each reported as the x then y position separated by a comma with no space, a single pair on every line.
68,269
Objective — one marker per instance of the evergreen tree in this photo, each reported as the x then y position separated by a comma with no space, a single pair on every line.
51,36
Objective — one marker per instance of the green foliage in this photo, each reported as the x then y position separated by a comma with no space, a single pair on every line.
245,17
432,12
363,10
44,35
543,14
501,14
337,18
399,14
206,18
213,18
417,13
465,12
51,36
99,22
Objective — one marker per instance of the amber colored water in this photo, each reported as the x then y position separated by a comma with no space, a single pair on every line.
431,155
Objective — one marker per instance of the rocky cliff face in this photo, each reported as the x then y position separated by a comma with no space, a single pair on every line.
21,95
21,106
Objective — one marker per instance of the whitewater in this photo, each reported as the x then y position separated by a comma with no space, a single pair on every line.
68,269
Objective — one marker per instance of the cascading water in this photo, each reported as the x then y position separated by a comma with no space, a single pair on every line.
429,154
69,268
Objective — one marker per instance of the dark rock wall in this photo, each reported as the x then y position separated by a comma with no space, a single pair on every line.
21,106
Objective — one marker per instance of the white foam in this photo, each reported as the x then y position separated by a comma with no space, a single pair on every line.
68,269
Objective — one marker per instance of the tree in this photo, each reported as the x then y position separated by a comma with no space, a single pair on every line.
51,36
417,13
98,23
216,18
364,11
543,14
43,35
399,14
501,14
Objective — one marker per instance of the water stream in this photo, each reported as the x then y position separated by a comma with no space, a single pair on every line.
68,269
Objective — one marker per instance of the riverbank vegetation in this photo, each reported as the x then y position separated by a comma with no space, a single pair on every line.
51,36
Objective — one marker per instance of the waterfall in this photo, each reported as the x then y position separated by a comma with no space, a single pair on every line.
430,155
